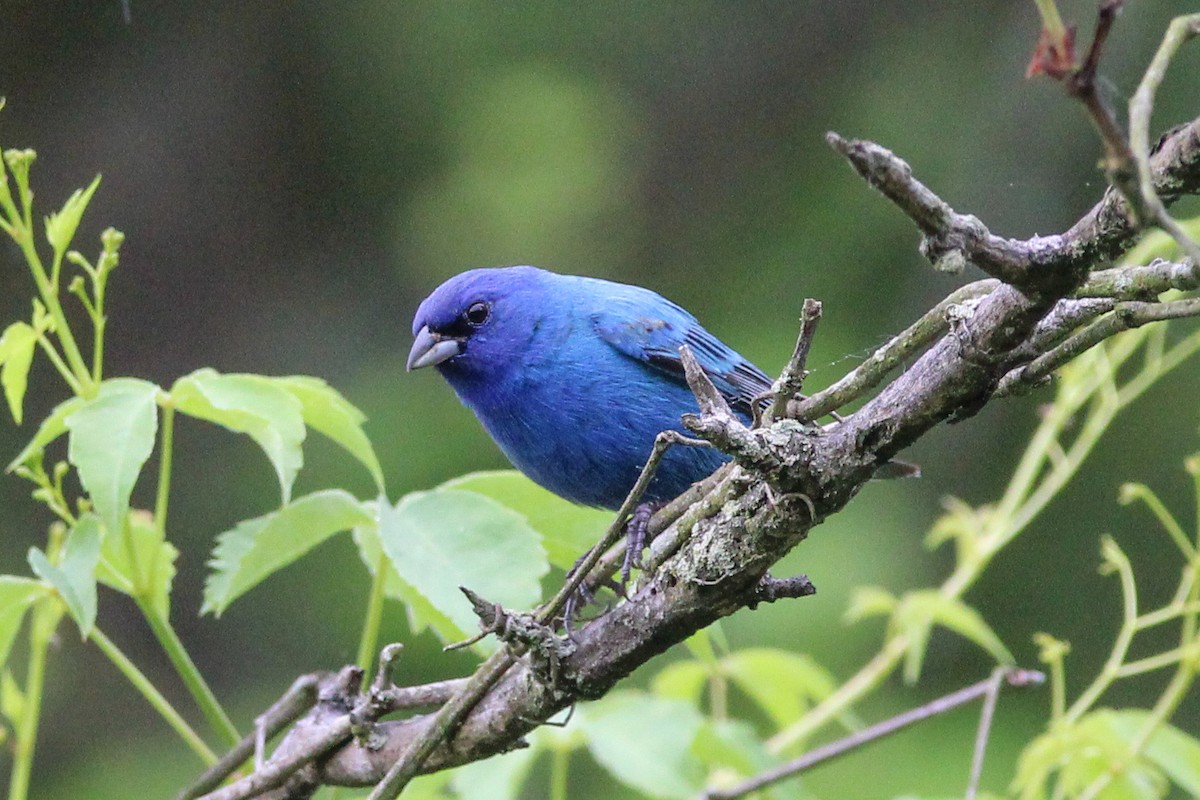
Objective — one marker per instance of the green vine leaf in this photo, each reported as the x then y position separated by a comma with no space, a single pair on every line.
442,539
112,436
61,226
16,355
258,547
326,411
254,405
74,578
16,596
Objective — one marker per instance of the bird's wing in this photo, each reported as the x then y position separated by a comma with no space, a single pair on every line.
655,339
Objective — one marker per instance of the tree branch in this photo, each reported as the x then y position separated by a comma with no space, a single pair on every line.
716,544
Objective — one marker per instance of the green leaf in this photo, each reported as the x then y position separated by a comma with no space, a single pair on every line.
1071,757
446,538
51,428
16,595
645,742
1175,752
258,547
683,680
112,435
12,699
782,684
75,576
61,227
325,410
253,405
420,612
498,778
16,355
139,561
870,601
567,530
731,750
915,614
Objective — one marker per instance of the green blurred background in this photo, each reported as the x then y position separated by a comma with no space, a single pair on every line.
294,177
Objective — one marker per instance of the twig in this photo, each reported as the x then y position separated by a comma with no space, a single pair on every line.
986,714
1142,282
1119,165
1131,314
791,380
770,590
452,713
287,761
1011,675
437,693
299,697
441,726
1141,105
951,240
662,443
871,372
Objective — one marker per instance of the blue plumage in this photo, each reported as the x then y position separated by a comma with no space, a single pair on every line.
574,377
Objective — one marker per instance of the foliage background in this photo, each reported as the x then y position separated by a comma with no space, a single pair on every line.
294,178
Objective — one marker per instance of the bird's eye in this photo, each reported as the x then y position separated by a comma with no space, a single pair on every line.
478,313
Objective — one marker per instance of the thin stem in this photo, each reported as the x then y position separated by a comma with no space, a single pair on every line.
153,697
369,643
60,365
165,456
46,615
1154,662
49,295
1112,666
1013,676
1020,500
718,695
559,763
200,691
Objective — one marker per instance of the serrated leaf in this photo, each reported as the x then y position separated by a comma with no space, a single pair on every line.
567,530
257,547
782,684
16,595
16,356
683,680
75,576
1069,758
1175,752
12,699
139,560
420,612
51,428
325,410
442,539
498,778
253,405
61,226
645,742
112,436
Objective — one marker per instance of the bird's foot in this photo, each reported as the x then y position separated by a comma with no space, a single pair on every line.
637,536
585,594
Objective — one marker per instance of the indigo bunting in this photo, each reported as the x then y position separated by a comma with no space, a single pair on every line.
574,377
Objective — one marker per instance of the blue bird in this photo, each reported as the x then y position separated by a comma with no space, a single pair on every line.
574,377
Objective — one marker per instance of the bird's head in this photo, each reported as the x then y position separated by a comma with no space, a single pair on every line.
478,324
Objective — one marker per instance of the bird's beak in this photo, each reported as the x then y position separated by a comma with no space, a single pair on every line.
432,348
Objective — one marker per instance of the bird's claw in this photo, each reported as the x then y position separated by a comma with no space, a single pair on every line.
637,536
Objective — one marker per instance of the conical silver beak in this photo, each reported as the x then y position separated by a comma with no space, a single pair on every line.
431,348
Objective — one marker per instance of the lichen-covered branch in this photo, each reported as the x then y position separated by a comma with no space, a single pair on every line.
715,545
